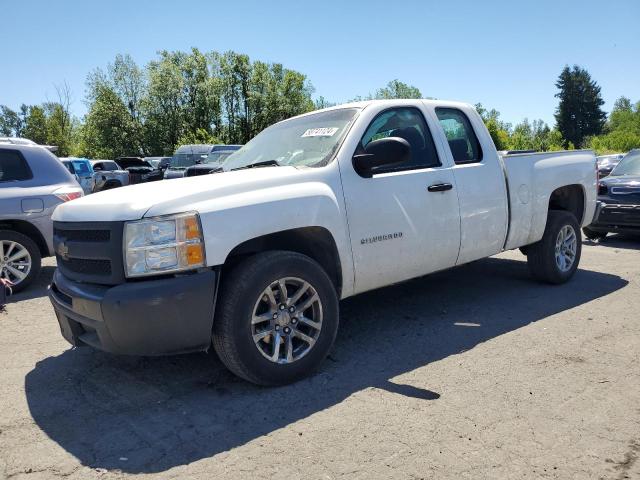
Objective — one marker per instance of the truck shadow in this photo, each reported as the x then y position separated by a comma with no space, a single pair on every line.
620,240
146,415
38,289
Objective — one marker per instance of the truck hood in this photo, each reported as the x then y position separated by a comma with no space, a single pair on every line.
167,197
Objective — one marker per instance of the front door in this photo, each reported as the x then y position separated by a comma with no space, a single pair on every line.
399,227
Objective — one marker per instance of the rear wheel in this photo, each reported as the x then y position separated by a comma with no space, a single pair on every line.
555,258
276,319
19,259
593,234
111,184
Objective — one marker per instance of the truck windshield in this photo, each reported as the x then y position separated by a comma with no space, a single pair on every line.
307,141
184,160
217,157
629,165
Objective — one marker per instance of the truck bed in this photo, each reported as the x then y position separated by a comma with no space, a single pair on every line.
531,177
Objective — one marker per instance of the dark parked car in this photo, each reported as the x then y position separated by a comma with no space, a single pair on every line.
212,163
606,163
159,162
618,208
140,171
189,155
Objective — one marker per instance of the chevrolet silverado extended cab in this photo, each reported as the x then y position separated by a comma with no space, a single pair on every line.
254,260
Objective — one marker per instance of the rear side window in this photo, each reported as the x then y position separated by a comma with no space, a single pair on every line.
109,166
463,142
13,166
69,167
409,124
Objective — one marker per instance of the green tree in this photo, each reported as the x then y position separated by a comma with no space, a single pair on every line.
36,125
198,136
109,130
622,130
579,113
322,102
397,89
163,104
8,121
498,129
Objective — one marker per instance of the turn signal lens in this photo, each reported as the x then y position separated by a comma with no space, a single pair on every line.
191,228
194,254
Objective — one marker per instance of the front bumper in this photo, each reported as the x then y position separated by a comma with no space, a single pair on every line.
612,217
150,317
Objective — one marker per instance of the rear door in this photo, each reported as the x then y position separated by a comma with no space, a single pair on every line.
480,181
401,228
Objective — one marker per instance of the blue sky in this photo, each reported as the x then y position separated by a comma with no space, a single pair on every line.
505,54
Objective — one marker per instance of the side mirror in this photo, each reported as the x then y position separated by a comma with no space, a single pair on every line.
386,152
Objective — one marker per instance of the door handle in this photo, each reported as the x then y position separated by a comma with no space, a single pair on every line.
440,187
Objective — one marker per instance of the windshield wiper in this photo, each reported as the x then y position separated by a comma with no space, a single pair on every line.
266,163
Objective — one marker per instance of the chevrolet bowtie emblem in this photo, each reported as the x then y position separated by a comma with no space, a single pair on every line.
63,251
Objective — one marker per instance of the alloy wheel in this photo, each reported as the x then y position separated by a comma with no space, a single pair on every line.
566,248
15,261
286,320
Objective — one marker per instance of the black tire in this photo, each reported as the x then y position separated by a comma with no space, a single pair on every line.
242,287
34,252
593,234
111,185
542,255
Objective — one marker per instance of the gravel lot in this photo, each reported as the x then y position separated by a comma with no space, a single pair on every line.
474,373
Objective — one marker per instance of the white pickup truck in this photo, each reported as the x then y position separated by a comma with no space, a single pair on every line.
254,259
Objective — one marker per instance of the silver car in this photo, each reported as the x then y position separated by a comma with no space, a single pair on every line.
32,183
107,174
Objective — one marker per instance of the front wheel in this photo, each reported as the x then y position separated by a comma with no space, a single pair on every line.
555,258
276,319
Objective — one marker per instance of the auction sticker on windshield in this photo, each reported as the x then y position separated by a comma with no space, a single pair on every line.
320,132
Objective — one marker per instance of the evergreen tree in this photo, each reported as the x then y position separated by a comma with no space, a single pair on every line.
579,113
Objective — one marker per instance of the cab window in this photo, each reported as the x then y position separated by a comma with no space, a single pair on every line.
409,124
463,142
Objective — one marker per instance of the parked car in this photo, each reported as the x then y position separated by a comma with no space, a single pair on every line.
158,162
189,155
107,174
82,170
618,207
32,183
69,166
606,163
212,163
314,209
140,171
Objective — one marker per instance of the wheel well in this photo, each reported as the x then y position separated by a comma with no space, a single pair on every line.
29,230
569,198
314,242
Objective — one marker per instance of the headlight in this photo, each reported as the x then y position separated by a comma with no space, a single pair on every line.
163,245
